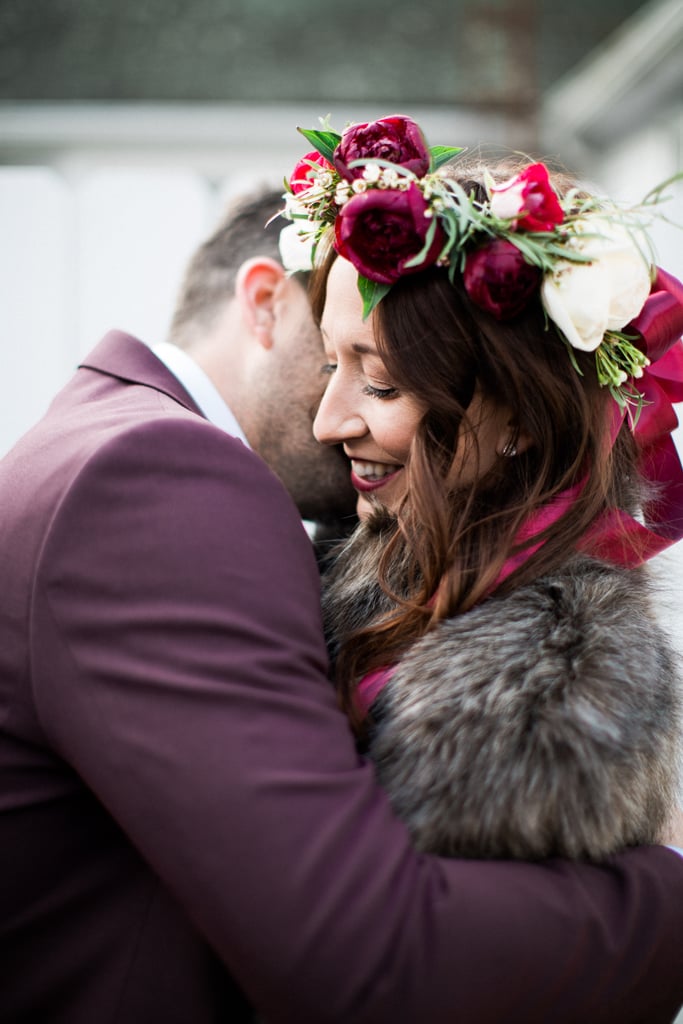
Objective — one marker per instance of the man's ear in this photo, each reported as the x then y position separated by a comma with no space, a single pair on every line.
257,282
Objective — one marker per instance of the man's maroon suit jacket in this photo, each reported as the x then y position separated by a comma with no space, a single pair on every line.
178,791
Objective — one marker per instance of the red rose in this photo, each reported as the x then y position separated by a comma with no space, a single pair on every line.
498,279
301,177
380,230
397,139
530,199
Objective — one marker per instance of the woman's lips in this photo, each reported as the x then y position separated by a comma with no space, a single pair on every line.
371,476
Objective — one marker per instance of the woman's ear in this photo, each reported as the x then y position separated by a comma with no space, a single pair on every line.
257,282
513,441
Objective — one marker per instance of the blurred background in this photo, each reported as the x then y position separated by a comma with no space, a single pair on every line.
127,125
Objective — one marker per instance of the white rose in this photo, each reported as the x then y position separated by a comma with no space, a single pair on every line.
296,246
587,299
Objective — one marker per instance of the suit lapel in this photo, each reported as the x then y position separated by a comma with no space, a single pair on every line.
124,357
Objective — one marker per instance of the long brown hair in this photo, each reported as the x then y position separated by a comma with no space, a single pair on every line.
451,541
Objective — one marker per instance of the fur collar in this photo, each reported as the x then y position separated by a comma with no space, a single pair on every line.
545,722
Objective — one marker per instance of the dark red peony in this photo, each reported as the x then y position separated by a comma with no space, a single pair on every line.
301,177
530,199
381,230
498,279
397,139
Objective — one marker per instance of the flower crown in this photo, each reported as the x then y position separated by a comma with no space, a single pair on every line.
395,210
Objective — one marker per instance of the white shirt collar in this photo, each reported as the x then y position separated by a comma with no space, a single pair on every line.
200,388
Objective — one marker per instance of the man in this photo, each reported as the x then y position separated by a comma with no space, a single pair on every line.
181,804
249,327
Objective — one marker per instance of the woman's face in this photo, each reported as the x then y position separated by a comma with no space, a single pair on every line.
364,410
361,408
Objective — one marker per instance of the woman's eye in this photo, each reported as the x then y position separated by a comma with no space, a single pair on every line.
328,368
375,392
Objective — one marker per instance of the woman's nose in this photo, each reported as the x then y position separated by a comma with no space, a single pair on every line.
336,420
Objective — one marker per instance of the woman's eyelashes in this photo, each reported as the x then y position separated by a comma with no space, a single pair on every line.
373,390
384,392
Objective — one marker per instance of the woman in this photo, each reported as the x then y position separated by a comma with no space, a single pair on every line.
490,625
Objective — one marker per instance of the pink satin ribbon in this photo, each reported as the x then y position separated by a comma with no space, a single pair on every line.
616,536
369,687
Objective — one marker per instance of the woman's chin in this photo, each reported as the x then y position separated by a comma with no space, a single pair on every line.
368,504
364,507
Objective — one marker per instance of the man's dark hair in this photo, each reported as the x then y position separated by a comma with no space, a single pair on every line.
209,280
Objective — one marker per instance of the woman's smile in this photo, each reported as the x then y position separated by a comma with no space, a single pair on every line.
369,476
362,408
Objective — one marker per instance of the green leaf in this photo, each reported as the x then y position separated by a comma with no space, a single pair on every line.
489,182
450,225
325,142
572,357
462,207
442,154
372,293
419,257
532,253
655,194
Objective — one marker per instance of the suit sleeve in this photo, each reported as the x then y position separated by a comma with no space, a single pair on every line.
180,669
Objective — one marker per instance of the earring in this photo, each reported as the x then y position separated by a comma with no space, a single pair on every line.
510,449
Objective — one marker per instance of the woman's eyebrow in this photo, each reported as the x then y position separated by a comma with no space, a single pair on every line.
361,348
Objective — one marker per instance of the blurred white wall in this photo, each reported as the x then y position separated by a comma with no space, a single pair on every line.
35,294
77,257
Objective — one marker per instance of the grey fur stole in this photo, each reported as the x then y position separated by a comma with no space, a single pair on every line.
545,722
